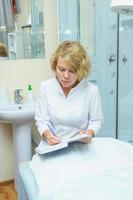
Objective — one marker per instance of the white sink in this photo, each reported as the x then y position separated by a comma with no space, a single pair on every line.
21,117
17,113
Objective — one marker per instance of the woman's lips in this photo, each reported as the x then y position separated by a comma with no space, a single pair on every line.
66,81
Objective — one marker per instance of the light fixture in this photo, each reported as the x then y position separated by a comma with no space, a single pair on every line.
122,6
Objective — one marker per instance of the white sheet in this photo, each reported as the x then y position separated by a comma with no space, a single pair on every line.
100,170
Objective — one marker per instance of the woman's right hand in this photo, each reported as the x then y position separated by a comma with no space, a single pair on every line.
50,138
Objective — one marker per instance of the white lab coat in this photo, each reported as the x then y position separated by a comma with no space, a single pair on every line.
80,110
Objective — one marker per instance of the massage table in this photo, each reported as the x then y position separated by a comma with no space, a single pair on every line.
104,171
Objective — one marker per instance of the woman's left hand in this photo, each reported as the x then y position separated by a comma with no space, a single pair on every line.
89,132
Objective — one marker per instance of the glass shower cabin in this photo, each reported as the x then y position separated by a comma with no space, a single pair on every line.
125,79
118,90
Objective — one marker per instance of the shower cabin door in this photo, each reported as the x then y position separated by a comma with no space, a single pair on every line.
125,89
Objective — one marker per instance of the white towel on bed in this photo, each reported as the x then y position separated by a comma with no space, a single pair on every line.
80,162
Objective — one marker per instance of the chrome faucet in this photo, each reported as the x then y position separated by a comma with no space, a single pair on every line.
17,96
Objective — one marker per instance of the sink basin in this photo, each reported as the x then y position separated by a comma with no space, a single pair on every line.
17,113
21,117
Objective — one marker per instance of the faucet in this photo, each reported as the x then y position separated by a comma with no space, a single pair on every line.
17,96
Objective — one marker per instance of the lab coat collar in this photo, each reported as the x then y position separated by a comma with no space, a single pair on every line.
80,85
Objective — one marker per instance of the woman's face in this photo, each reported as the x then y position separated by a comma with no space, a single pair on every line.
67,77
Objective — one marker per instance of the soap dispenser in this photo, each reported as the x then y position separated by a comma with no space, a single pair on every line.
30,98
4,96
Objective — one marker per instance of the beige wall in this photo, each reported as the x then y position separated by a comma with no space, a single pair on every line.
18,74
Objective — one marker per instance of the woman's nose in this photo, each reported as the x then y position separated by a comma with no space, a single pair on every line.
66,74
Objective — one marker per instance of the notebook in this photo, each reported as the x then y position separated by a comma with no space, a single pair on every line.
44,148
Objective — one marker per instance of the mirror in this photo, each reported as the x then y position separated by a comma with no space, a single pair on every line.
77,22
22,28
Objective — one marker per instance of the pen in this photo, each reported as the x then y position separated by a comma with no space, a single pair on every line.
51,129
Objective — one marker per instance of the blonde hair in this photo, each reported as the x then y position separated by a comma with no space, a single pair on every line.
3,50
75,55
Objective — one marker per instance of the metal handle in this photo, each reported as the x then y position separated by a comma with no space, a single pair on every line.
17,97
17,91
113,74
111,58
112,92
124,59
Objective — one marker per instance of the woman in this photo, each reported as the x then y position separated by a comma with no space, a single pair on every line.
68,103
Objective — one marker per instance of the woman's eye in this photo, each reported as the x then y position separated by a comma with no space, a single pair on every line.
71,71
62,70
